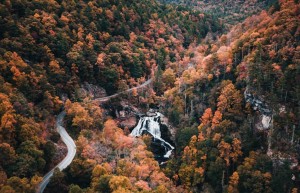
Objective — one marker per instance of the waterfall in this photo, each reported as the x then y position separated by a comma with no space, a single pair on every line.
151,124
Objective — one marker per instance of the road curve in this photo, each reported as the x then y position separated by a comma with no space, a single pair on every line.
71,151
128,90
69,141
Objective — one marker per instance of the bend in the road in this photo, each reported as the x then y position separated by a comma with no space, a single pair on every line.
70,142
103,99
70,155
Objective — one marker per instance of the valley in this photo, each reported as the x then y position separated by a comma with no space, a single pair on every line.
159,96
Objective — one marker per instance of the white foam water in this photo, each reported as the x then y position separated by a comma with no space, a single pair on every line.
151,125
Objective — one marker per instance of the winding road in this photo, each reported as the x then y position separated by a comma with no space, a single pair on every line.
103,99
70,142
71,151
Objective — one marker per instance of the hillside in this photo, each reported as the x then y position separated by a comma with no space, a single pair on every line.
208,89
238,103
229,12
50,49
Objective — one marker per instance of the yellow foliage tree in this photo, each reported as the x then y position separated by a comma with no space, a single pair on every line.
117,182
233,183
225,150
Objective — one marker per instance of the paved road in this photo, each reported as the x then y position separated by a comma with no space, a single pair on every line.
69,141
71,151
103,99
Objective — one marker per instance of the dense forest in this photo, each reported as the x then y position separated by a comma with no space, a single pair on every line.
230,12
226,81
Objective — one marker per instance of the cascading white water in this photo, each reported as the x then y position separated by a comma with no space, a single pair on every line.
151,125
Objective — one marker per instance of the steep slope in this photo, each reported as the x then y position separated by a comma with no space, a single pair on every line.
234,100
95,38
229,11
48,49
238,103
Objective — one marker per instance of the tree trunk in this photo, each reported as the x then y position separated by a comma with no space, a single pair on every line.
223,176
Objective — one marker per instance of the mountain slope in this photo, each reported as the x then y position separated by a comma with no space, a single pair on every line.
49,49
230,12
238,104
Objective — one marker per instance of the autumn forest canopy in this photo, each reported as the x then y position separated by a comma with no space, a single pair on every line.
224,74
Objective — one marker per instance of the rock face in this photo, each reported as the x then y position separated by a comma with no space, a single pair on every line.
170,130
91,90
129,122
265,118
126,114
